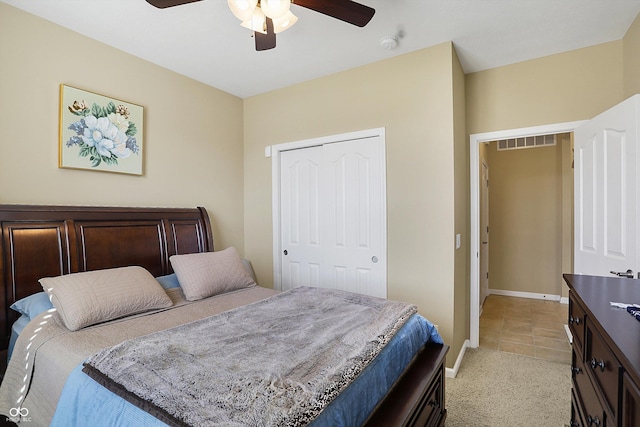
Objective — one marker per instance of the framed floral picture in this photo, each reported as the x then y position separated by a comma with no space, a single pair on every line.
99,133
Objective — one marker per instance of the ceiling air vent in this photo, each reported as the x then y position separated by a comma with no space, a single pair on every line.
526,142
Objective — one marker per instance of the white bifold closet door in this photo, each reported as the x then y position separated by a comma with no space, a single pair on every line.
333,216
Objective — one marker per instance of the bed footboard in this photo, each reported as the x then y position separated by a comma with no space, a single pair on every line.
417,398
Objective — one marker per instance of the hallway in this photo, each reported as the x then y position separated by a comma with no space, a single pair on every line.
529,327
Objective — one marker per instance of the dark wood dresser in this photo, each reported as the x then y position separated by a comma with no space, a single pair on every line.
605,366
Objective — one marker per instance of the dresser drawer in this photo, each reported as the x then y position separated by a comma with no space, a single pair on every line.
434,401
577,407
576,322
591,412
630,402
603,367
576,414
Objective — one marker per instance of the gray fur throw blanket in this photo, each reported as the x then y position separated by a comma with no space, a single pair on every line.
276,362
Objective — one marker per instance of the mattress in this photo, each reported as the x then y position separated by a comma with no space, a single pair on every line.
84,399
61,394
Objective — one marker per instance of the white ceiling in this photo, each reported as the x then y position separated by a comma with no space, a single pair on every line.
204,40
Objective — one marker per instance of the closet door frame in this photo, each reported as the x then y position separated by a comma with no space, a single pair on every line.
274,151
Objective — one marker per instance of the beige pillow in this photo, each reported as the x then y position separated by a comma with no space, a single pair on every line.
84,299
205,274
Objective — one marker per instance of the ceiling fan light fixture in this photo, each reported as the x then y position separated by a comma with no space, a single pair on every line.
268,17
284,22
256,22
242,9
275,8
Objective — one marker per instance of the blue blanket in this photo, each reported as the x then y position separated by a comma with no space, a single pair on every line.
84,401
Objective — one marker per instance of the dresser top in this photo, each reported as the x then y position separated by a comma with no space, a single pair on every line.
622,329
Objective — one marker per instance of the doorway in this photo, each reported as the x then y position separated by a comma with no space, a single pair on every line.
475,235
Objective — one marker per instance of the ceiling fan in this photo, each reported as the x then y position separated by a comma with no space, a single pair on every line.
266,18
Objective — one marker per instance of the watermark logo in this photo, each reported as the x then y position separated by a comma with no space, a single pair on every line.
20,414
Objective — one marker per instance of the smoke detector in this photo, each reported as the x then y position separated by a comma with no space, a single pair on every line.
389,42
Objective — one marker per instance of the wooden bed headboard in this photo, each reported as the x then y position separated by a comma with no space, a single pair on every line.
41,241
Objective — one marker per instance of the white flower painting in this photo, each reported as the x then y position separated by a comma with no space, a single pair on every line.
99,133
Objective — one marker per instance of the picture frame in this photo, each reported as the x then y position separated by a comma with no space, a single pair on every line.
99,133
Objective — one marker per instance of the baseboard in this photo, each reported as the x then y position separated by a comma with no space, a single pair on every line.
532,295
452,372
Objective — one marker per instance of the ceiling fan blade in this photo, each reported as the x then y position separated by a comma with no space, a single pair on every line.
265,41
163,4
344,10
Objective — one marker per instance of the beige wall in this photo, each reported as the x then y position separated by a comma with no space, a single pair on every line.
631,59
576,85
526,218
462,214
193,132
412,97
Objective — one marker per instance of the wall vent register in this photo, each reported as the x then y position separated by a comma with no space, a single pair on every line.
526,142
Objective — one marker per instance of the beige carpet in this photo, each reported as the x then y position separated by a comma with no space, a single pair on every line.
495,389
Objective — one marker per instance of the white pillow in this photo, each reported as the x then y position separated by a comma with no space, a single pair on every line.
84,299
205,274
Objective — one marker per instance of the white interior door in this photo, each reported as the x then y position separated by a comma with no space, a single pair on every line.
333,216
353,216
484,233
606,201
300,212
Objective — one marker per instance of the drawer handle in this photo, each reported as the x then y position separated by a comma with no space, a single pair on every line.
595,363
593,420
434,403
575,370
575,320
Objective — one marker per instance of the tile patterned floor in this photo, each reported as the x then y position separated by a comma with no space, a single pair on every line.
525,326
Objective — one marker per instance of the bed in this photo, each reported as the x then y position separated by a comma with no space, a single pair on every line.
50,380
